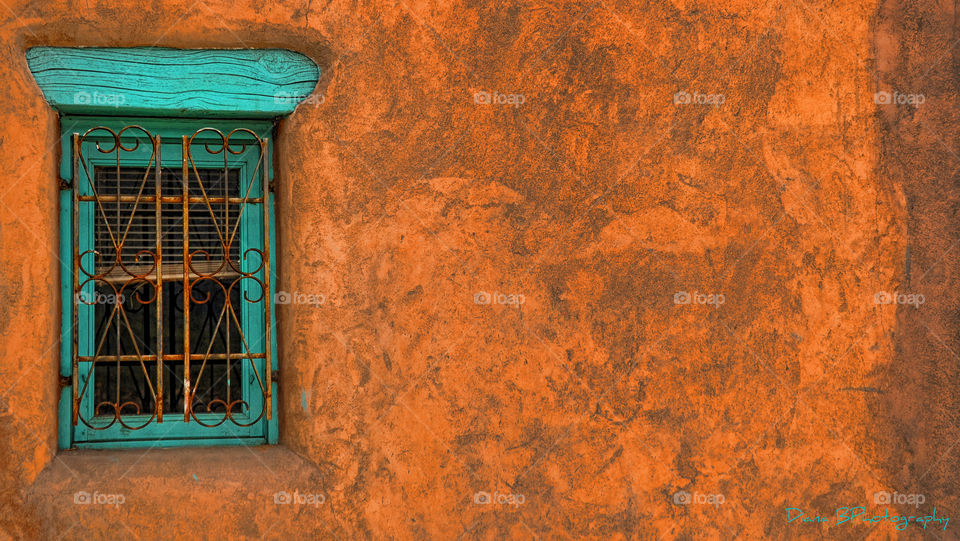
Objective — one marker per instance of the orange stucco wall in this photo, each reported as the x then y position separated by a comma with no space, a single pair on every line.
597,199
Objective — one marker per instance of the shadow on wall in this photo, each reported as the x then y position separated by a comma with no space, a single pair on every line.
918,74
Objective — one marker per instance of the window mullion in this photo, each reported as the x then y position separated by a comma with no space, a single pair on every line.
76,278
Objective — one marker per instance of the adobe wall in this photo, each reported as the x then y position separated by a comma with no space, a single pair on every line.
597,199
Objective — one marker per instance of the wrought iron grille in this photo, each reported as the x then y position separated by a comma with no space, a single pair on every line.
171,274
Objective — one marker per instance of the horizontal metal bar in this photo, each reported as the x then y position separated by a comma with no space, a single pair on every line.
119,277
169,199
169,357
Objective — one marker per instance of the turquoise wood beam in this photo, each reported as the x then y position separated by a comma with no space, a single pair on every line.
153,81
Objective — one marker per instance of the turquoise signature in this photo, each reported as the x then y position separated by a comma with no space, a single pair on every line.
849,515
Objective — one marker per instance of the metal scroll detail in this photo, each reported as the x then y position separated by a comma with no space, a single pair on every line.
171,279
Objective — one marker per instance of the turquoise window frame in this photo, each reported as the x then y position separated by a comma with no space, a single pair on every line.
172,431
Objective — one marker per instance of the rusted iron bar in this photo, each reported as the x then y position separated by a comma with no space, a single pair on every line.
171,199
168,357
265,184
159,220
185,199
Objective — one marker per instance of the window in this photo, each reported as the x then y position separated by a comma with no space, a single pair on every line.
168,333
169,283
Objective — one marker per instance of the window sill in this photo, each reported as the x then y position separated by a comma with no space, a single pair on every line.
236,492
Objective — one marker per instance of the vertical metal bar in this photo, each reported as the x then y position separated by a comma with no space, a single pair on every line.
76,277
187,391
225,247
118,252
158,228
267,299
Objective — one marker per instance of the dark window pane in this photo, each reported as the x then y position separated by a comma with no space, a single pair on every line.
126,308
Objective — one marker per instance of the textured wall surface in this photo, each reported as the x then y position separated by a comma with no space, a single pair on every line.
631,153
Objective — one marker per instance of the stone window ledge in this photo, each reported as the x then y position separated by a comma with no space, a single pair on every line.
232,492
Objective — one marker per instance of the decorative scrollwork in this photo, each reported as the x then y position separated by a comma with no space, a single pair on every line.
127,202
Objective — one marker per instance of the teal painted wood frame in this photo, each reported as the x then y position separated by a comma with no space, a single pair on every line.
163,82
173,431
